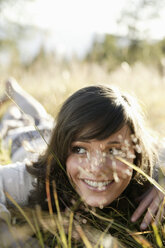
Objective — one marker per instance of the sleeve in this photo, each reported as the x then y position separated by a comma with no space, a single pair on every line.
17,182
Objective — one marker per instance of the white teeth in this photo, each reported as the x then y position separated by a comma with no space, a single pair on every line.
97,184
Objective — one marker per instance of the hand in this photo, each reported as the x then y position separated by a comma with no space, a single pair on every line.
152,202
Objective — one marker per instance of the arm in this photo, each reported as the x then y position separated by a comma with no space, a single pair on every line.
15,180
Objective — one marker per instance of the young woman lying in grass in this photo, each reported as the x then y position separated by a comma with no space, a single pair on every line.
95,126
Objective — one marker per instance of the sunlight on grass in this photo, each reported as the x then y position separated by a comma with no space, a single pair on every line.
58,82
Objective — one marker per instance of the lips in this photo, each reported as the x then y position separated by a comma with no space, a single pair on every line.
97,185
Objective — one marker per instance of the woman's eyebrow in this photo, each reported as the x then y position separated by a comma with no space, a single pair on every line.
81,140
114,142
88,141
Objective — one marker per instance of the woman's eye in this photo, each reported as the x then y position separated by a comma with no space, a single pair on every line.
114,151
78,150
111,151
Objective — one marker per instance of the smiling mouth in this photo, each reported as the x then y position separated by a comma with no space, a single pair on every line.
101,185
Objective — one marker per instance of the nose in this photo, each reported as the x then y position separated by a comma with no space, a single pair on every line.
102,166
98,163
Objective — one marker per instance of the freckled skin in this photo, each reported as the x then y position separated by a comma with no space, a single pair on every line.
94,161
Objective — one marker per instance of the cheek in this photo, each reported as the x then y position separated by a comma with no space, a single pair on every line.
122,170
73,167
77,166
70,167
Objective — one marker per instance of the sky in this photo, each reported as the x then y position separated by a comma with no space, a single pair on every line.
70,25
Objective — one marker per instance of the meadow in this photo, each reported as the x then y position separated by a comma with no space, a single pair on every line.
51,82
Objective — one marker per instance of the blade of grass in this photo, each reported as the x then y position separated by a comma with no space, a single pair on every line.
101,217
151,180
142,241
47,185
44,223
48,227
83,237
119,214
161,210
163,231
157,236
102,236
21,211
120,229
38,233
37,129
70,230
59,223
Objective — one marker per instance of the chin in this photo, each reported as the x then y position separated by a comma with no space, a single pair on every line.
96,203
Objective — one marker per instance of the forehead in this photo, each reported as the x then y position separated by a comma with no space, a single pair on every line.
122,134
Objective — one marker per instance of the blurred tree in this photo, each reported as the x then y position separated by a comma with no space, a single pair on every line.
113,50
137,44
106,51
13,28
136,16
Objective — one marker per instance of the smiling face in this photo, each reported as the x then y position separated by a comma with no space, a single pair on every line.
95,173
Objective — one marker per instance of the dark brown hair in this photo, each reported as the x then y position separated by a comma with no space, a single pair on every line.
93,112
